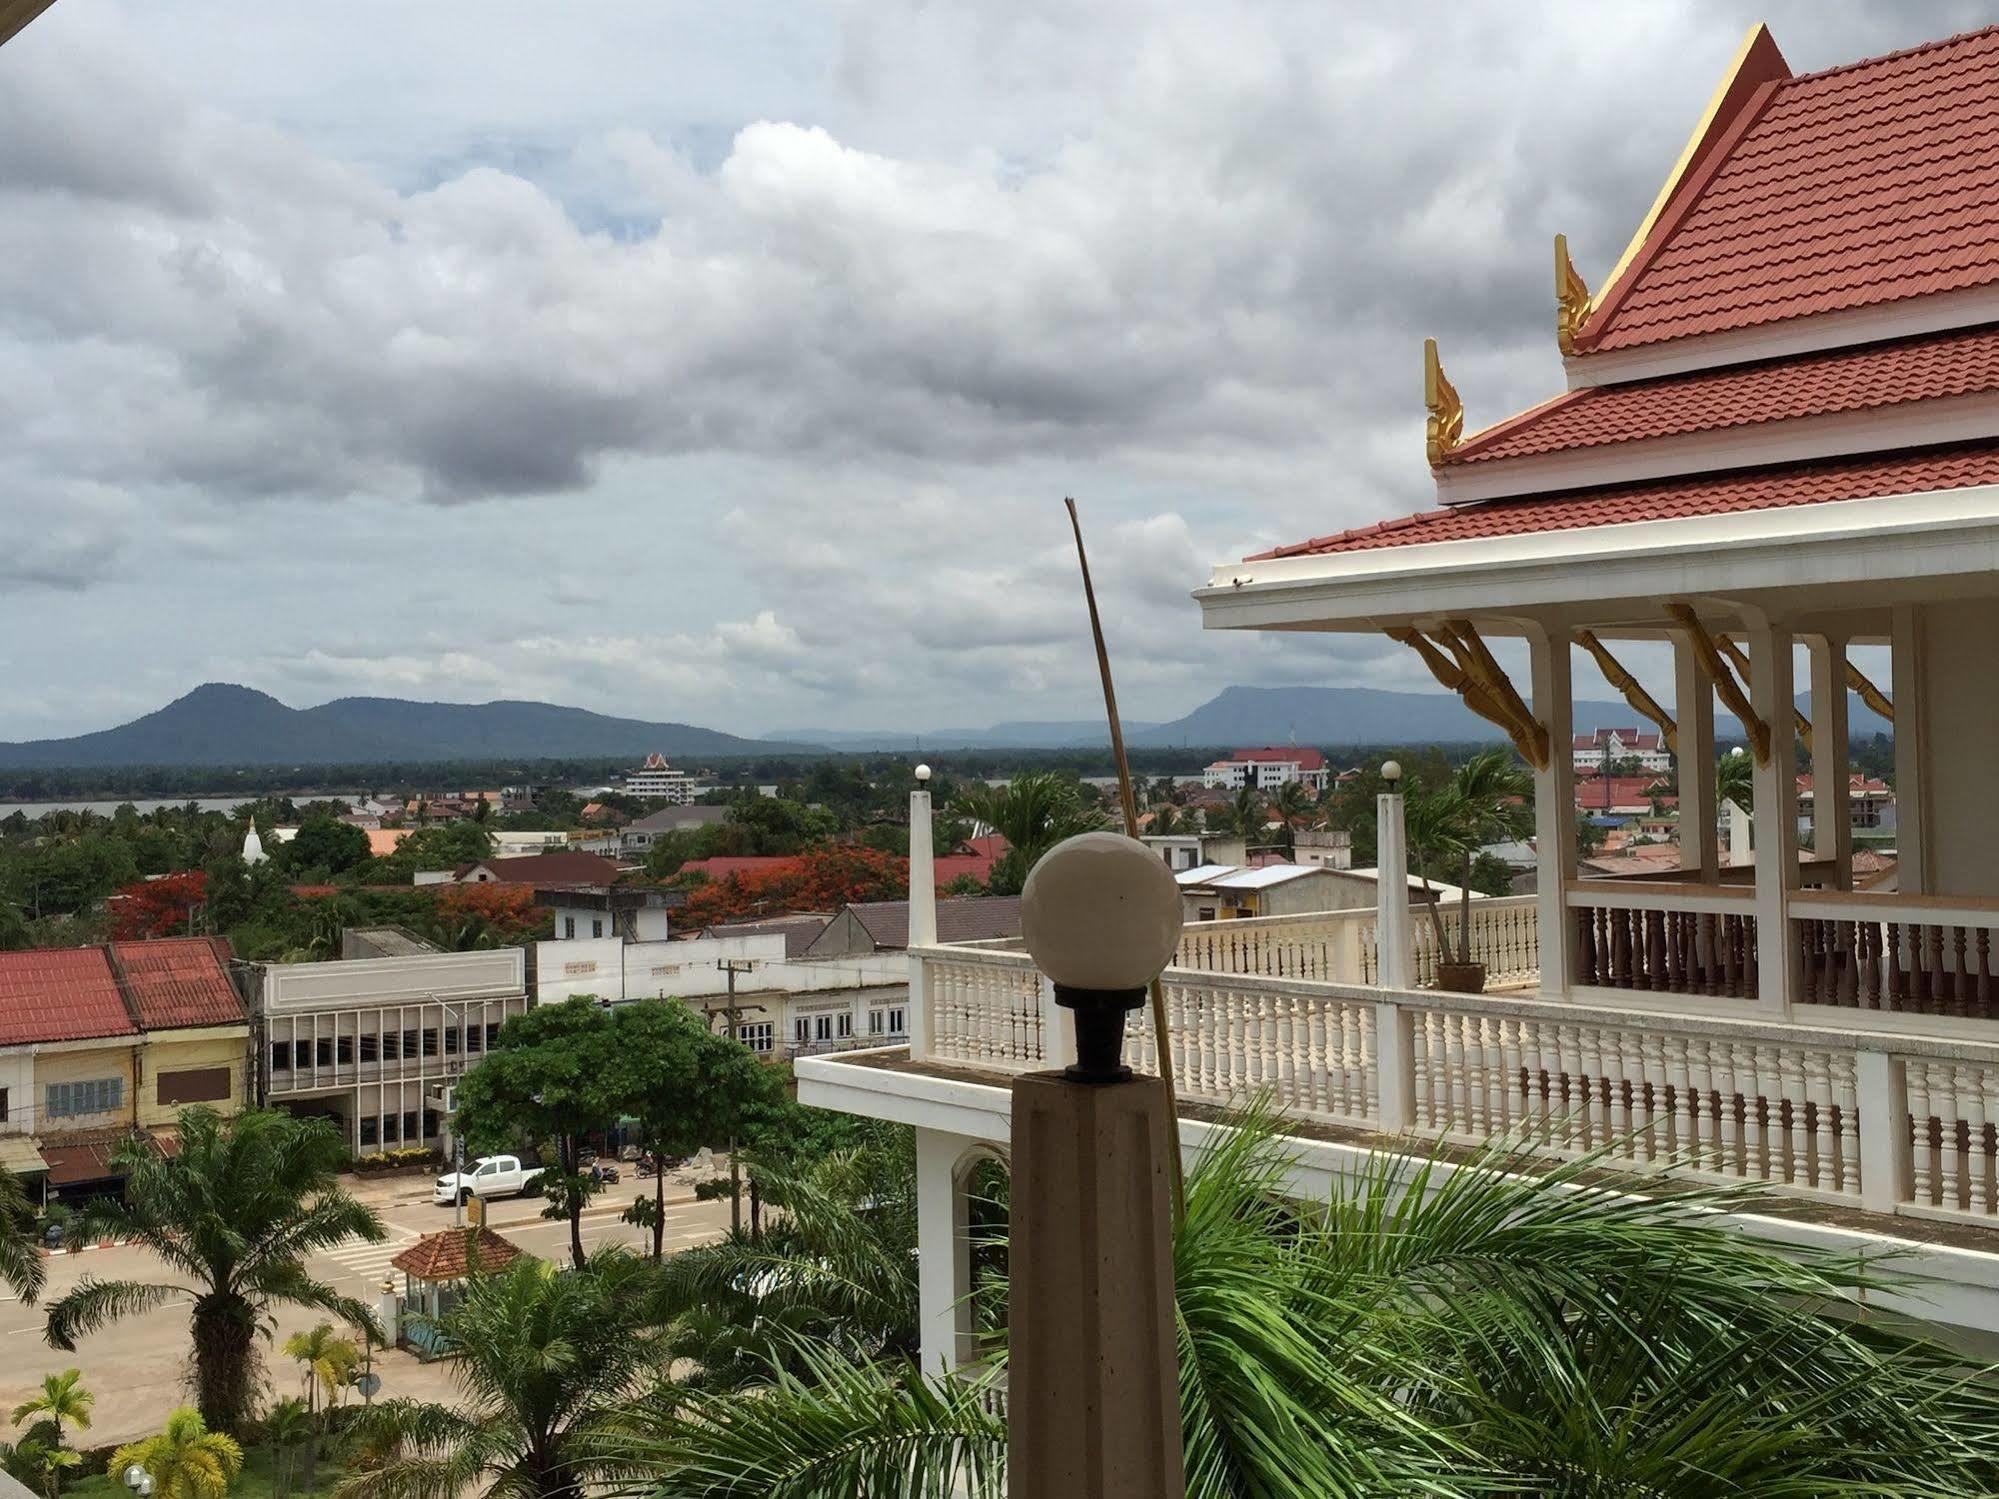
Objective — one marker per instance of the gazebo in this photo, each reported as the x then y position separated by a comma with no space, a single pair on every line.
434,1270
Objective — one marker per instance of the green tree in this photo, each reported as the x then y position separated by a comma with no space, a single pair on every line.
288,1427
1735,780
326,843
63,1401
1034,811
327,1361
1247,809
1491,799
236,1212
685,1086
1496,1327
552,1077
185,1461
1294,805
542,1360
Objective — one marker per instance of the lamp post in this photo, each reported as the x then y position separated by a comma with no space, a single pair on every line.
1093,1381
139,1481
1391,883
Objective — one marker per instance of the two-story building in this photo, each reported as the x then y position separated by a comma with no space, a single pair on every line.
1267,769
371,1041
1613,751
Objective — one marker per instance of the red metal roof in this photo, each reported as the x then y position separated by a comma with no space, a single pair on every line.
1304,759
181,981
1862,185
60,994
1673,499
1844,380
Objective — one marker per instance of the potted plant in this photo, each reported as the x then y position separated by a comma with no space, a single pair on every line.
1485,801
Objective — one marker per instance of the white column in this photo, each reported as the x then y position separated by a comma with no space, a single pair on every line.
1912,842
1554,806
922,868
1693,707
1832,791
1395,960
1776,797
1058,1029
943,1256
1881,1092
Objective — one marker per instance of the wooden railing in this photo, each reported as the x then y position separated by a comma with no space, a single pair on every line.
1893,1122
1664,938
1910,954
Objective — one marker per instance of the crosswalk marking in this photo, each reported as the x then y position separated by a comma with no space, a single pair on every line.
368,1261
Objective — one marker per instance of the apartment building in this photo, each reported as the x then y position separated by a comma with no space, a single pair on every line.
1620,747
372,1040
657,778
1267,769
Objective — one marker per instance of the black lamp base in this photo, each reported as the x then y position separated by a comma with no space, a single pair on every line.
1099,1031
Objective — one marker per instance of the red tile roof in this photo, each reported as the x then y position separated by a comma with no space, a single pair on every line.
1844,380
723,865
1862,185
1305,759
179,981
1673,499
60,994
449,1253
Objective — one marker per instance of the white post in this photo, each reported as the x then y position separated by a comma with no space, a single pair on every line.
1881,1095
1395,1066
922,1033
1832,788
1058,1030
1554,806
943,1257
1693,705
922,866
1394,960
1776,796
1912,814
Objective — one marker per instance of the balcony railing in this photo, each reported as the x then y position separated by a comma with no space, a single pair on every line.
1889,1122
1339,946
1664,938
1909,954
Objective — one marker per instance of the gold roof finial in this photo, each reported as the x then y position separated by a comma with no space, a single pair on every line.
1447,412
1572,301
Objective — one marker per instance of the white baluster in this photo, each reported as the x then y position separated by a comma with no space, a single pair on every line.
1679,1131
1818,1093
1918,1082
1651,1098
1971,1094
1845,1096
1701,1138
1943,1099
1729,1089
1788,1118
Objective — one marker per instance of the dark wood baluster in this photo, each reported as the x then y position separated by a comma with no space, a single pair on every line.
1982,997
1898,978
1870,966
1585,919
1960,977
1921,971
1655,950
1620,950
1732,947
1751,972
1808,937
1849,973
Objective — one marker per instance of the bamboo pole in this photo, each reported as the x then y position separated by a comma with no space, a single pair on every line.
1128,801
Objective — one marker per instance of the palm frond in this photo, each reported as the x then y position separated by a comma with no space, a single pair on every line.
94,1303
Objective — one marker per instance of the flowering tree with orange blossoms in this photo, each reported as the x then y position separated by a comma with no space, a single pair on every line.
824,878
157,908
507,912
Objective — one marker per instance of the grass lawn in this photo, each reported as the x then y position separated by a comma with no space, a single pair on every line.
258,1481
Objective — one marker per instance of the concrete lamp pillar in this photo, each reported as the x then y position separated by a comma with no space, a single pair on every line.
1395,958
922,865
1093,1406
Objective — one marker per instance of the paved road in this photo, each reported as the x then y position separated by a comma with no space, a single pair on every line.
138,1366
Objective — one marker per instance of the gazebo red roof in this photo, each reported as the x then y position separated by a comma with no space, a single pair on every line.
447,1255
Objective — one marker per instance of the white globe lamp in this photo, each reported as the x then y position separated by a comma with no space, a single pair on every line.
1391,772
923,775
1102,915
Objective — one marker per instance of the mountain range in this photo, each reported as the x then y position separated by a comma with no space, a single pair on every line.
222,724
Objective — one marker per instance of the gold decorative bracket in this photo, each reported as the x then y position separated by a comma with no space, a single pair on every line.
1871,695
1715,667
1572,299
1447,413
1740,660
1476,697
1634,693
1462,638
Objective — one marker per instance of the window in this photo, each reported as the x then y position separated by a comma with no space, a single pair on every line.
801,1029
488,1169
475,1038
492,1035
99,1096
370,1130
301,1053
596,926
429,1123
886,1022
409,1043
409,1125
323,1051
843,1026
569,926
756,1035
822,1027
898,1022
281,1056
371,1048
193,1085
430,1041
389,1132
389,1051
343,1050
3,1105
451,1034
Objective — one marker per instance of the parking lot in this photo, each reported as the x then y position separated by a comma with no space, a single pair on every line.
137,1366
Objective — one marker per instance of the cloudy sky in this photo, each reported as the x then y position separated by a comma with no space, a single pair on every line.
727,361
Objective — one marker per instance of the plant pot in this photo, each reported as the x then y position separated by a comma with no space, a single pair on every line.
1461,978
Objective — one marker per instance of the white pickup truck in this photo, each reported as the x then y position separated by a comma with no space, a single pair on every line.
488,1177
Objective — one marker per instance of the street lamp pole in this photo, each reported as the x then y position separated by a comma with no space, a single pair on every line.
732,967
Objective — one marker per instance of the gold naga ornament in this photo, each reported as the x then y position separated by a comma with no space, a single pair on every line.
1447,412
1572,300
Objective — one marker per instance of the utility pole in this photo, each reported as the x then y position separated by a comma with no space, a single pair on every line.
732,967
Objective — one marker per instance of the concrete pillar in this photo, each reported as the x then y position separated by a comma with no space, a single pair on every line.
1913,875
1693,710
943,1258
1093,1401
922,870
1776,795
1548,653
1882,1099
1832,791
1394,958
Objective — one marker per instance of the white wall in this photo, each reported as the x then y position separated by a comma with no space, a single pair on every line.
373,981
611,969
1959,726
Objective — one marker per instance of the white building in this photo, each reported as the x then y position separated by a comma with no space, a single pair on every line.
372,1041
1267,769
657,778
1184,851
1618,747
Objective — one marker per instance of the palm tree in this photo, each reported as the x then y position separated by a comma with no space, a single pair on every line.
835,1265
1248,810
1497,1326
288,1426
185,1461
1165,819
1034,811
236,1211
63,1401
1294,805
543,1357
328,1360
1491,795
44,1462
21,1265
1735,780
